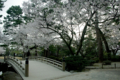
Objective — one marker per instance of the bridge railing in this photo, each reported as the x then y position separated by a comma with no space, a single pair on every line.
17,61
55,63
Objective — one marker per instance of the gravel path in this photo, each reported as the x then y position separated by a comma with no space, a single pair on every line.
95,74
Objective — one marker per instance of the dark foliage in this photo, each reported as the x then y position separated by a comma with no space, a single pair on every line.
115,58
107,62
75,63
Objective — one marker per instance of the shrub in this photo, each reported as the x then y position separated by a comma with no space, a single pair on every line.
106,56
89,62
20,55
92,62
56,58
107,62
75,63
115,58
96,59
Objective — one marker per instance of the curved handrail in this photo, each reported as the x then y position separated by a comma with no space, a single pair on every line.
18,62
55,63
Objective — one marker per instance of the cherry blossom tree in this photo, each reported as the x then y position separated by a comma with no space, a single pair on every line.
65,17
28,36
60,23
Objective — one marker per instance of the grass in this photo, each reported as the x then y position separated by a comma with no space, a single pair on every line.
19,58
1,57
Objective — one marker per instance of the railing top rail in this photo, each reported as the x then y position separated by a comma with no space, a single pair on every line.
17,61
50,59
58,64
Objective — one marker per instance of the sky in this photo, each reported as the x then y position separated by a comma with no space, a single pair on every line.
7,5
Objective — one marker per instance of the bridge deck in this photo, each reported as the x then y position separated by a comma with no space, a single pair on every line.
43,71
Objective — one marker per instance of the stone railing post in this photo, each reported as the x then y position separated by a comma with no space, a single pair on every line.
102,65
42,59
4,58
63,66
115,65
27,67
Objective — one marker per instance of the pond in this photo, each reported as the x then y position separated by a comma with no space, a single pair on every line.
5,68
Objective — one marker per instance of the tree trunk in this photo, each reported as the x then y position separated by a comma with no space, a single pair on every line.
45,53
58,49
99,40
35,50
83,34
105,41
68,45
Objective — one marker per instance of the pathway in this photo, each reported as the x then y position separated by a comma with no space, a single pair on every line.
43,71
95,74
99,66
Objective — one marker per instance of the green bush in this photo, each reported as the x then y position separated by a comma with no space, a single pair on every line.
89,62
92,61
115,58
96,59
75,63
106,56
56,58
107,62
19,55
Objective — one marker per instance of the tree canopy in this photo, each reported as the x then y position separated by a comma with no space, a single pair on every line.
70,21
14,17
64,17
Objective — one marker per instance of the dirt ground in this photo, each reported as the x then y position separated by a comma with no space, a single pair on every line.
94,74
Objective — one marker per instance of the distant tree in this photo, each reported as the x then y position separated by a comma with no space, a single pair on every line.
13,20
1,6
14,17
